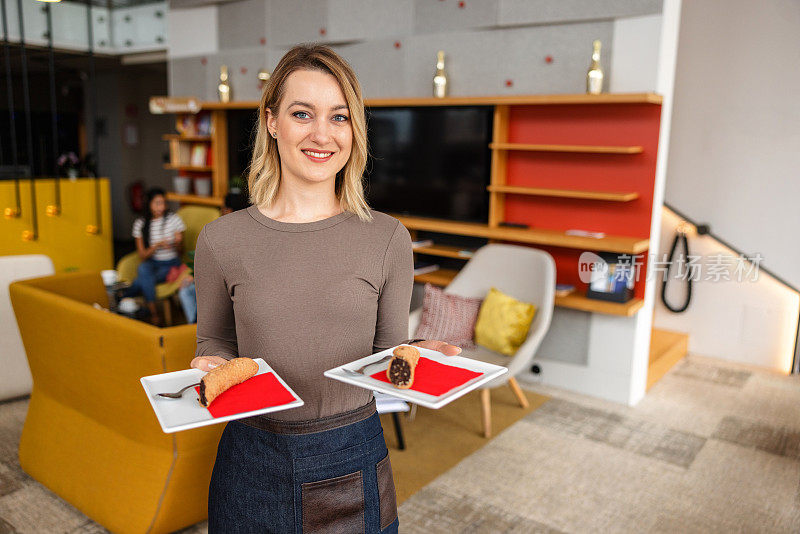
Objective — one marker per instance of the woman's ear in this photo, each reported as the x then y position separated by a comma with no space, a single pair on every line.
272,123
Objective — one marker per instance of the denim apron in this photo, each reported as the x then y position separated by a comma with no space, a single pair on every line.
322,475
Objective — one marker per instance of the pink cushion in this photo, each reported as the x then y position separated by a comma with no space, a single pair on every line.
447,317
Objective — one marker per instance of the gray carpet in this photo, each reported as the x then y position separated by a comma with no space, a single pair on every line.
713,447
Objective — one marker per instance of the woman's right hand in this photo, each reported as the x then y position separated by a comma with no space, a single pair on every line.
207,363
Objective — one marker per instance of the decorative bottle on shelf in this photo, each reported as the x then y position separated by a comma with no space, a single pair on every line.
224,87
263,78
440,78
594,78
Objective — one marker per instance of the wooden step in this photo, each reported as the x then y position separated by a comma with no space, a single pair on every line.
666,349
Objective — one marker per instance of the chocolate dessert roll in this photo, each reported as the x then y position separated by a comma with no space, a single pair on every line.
401,367
224,377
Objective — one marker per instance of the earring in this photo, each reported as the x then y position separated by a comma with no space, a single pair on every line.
274,135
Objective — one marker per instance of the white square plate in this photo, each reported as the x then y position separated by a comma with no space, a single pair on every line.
185,413
490,372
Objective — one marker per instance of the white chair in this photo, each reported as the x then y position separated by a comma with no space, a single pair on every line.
525,273
15,379
387,404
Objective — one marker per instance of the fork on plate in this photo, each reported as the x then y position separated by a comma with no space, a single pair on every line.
360,370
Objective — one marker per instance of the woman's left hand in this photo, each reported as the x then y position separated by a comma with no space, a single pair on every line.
445,348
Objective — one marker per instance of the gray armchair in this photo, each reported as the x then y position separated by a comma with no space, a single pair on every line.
525,273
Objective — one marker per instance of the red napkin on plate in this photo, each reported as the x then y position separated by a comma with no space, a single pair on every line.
260,391
434,378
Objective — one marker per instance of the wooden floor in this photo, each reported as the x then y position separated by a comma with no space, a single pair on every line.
666,349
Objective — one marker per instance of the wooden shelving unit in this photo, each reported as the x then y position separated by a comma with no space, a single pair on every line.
518,121
576,301
496,100
179,137
195,199
586,149
620,244
182,142
564,193
445,251
190,168
439,277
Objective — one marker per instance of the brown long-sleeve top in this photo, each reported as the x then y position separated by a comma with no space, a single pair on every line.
305,297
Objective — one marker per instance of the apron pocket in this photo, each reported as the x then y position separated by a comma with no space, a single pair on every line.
334,504
386,492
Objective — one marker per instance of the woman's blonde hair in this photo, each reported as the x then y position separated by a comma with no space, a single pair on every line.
264,172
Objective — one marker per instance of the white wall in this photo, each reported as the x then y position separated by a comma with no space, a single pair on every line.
735,146
192,31
751,321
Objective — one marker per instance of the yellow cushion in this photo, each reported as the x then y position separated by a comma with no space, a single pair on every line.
503,322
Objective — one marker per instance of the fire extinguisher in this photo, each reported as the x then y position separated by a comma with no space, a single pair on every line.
136,196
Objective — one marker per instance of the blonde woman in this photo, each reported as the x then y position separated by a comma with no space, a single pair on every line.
308,278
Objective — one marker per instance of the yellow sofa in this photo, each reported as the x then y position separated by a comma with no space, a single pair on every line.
90,434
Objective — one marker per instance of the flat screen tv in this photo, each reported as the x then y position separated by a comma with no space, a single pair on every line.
430,161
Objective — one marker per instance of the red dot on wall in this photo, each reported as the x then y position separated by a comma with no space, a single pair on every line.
322,31
509,83
397,44
243,70
263,40
548,59
203,61
461,5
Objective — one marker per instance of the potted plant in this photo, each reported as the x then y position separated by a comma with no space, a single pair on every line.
68,164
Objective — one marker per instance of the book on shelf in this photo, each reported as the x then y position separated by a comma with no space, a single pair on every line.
180,153
422,243
199,154
186,125
424,267
203,124
562,290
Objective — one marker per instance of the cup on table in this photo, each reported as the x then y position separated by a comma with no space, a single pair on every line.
109,276
128,305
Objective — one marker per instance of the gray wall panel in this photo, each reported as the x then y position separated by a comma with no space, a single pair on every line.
480,62
439,16
567,340
517,12
369,19
187,77
470,61
570,46
380,67
244,85
293,22
242,24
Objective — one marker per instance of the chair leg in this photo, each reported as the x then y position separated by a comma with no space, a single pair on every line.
401,444
167,312
487,413
412,413
523,400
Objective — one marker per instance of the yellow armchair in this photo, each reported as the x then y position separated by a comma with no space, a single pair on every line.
90,434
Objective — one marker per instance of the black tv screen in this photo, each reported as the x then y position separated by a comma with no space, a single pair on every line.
430,161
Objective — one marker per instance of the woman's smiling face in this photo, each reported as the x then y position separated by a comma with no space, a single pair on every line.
312,126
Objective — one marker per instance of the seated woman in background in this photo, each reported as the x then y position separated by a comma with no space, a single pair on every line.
159,243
